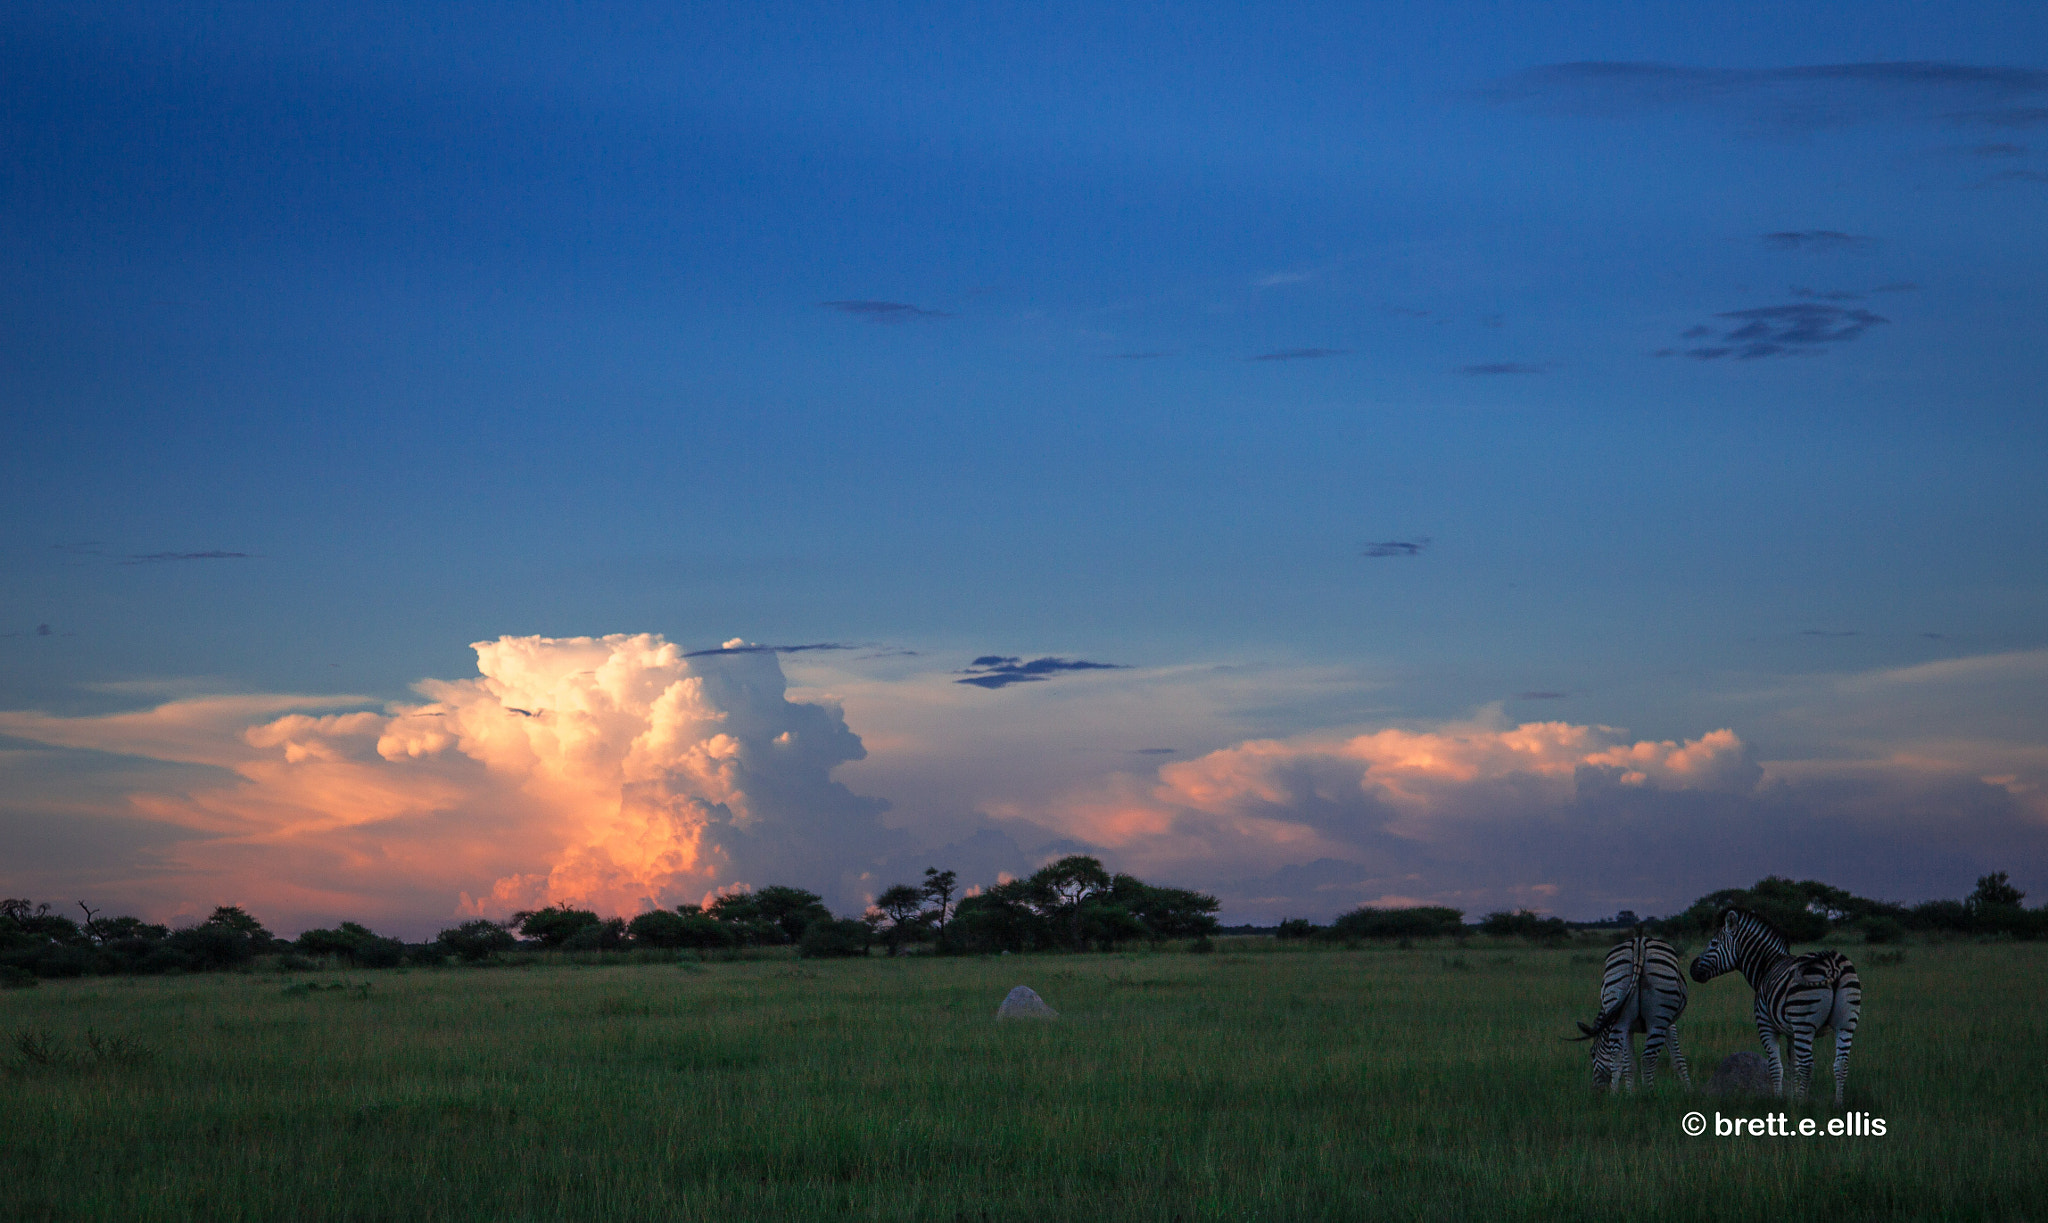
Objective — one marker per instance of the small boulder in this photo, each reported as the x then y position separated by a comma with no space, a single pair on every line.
1024,1003
1741,1074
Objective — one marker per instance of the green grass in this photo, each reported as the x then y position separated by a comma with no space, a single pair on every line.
1427,1083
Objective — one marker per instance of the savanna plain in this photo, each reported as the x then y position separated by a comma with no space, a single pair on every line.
1257,1082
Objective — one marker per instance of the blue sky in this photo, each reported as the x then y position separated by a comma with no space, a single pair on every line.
1127,336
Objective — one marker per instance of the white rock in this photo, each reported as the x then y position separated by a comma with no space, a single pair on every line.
1024,1003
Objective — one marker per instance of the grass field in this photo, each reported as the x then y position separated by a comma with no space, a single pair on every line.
1254,1083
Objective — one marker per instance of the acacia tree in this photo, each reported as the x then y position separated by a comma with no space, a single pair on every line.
898,915
1061,887
938,890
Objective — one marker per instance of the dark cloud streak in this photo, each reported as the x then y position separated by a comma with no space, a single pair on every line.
1299,354
1798,98
1002,670
774,649
883,312
1397,547
1801,330
1817,240
1502,367
156,557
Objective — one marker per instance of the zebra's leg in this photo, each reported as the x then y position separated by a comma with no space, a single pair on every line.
1678,1058
1653,1048
1771,1058
1802,1059
1845,1034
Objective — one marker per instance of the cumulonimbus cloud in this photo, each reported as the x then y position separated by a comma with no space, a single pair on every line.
614,772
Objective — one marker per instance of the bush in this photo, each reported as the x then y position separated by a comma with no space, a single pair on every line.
476,941
212,946
1883,930
1298,928
1524,923
16,978
357,944
603,936
830,939
659,928
1422,922
554,926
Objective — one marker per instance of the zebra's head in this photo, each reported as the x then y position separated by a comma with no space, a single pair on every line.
1741,938
1602,1045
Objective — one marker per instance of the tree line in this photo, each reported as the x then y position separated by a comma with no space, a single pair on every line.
1073,904
1807,910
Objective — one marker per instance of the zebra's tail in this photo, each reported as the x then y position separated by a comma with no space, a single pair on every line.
1608,1018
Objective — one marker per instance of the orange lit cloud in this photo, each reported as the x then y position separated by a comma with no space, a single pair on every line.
610,772
618,773
1271,801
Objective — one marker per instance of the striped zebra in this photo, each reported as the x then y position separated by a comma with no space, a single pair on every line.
1796,995
1641,990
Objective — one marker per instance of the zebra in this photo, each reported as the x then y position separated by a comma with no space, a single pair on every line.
1796,995
1641,990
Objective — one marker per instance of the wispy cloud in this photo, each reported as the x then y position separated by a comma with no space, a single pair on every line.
95,547
1796,98
1823,240
152,558
2008,177
2002,117
1802,330
739,647
1002,670
1299,354
1541,696
1397,547
1830,632
1503,367
882,311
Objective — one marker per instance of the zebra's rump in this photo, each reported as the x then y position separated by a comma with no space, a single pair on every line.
1644,972
1806,991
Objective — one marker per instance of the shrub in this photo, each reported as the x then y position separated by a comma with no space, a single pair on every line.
603,936
1525,923
475,941
830,939
212,945
1298,928
1883,930
357,944
659,928
1422,922
554,926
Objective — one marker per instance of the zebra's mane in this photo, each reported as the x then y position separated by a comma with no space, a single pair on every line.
1770,927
